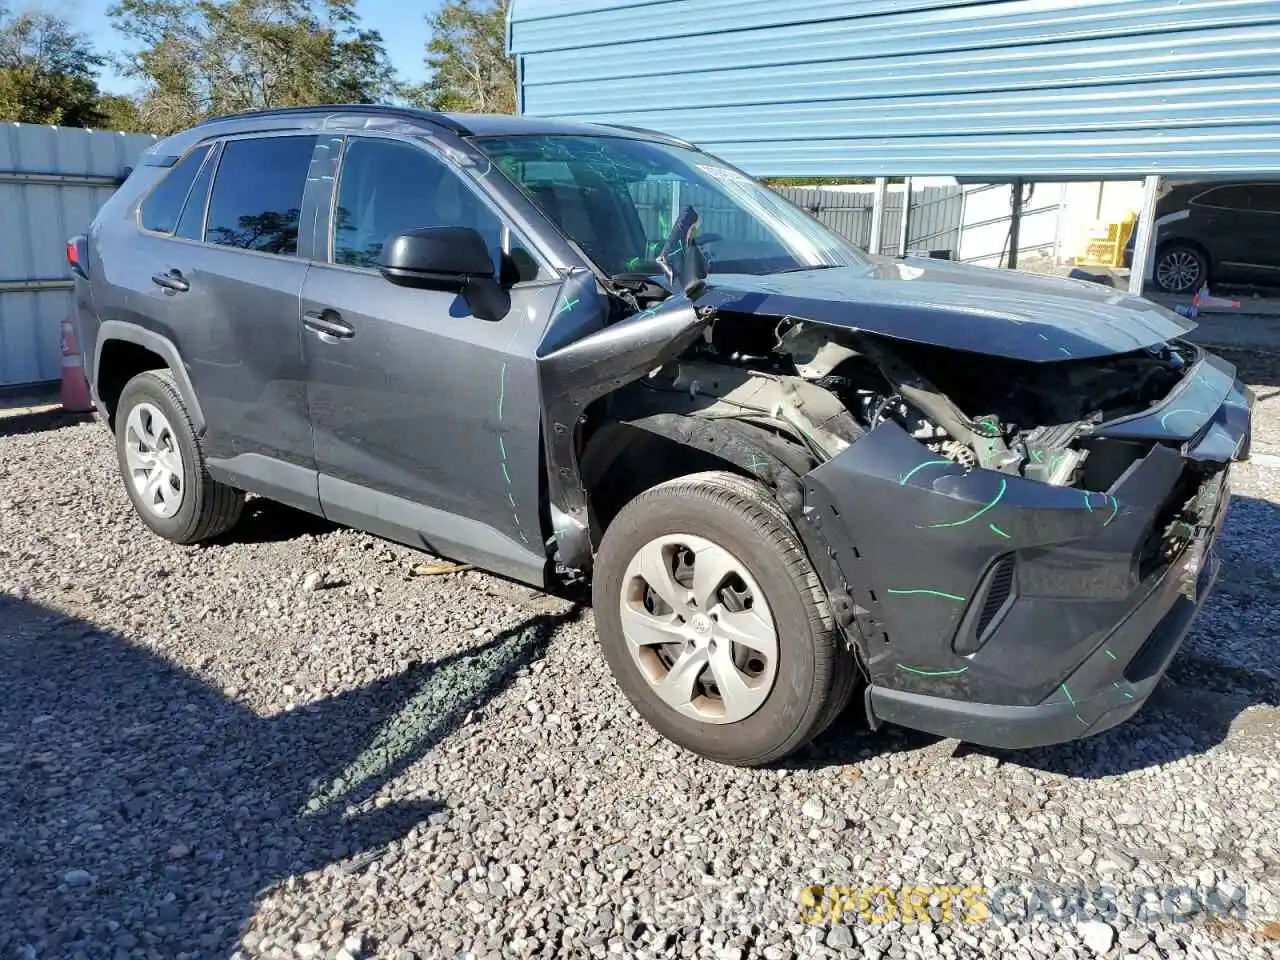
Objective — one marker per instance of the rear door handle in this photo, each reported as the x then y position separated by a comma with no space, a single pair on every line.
328,323
173,280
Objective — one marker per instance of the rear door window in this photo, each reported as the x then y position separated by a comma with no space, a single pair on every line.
163,206
1234,197
257,194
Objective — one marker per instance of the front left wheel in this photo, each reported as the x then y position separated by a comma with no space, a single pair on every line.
714,623
163,466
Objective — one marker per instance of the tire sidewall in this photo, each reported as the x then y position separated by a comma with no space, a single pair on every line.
790,701
150,388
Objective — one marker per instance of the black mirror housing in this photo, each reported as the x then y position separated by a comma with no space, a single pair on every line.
439,258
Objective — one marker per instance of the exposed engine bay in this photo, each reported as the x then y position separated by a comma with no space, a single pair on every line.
828,387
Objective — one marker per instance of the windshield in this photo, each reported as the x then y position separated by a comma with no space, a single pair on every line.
618,200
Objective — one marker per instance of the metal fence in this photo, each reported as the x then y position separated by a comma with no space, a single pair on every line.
52,182
933,218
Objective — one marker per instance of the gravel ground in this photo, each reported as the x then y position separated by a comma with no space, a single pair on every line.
199,756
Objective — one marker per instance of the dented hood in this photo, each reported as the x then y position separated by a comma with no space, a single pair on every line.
995,312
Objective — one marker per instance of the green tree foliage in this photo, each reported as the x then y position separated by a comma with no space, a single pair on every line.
197,58
47,71
119,112
467,56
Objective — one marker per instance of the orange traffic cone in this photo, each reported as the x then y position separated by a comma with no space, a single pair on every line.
1204,298
75,388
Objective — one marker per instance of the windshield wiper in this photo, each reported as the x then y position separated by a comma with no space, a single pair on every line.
816,266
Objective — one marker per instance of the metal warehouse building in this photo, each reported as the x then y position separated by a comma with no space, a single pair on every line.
982,90
1048,89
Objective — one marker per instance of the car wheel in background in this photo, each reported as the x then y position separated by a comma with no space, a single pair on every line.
163,466
1180,269
714,622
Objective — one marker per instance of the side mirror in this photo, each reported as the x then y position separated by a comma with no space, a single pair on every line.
436,258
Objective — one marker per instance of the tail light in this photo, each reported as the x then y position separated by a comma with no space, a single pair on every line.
78,255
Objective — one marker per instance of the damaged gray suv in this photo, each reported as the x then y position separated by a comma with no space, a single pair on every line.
977,503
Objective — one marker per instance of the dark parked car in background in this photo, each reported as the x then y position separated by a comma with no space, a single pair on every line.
975,502
1213,232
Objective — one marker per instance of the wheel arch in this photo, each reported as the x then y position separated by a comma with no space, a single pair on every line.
122,351
624,458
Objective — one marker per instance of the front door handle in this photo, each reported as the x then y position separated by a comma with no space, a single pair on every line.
328,323
173,280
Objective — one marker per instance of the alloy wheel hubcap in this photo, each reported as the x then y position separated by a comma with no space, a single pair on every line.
1178,271
154,461
699,629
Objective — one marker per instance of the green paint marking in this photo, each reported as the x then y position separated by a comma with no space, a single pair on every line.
1067,693
757,463
1110,654
1115,508
928,593
502,447
1082,719
1037,456
502,390
1065,351
1174,413
931,673
1128,695
960,523
566,307
511,500
505,476
916,469
1087,503
998,531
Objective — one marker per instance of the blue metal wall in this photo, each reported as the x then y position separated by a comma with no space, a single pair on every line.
1038,88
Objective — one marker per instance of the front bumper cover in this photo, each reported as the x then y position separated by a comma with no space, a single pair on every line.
1012,613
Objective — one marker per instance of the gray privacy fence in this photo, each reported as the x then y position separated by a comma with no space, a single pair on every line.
933,219
52,182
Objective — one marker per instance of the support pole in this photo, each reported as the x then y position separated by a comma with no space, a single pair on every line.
1015,223
906,217
1144,243
877,214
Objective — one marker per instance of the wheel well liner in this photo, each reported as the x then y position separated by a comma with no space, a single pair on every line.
744,448
122,351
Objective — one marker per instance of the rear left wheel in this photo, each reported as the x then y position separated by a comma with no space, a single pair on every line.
163,466
714,622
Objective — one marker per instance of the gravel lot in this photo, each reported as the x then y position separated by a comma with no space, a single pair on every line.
200,757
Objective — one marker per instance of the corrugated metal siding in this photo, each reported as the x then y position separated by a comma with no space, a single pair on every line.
52,182
933,220
1036,88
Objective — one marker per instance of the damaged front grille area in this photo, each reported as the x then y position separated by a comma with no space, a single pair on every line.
1186,511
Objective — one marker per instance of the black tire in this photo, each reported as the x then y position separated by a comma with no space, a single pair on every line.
815,673
1184,267
208,508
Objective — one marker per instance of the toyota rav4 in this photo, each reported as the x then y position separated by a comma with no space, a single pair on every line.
981,503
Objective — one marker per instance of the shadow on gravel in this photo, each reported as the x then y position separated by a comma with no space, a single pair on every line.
1226,665
13,424
268,521
141,809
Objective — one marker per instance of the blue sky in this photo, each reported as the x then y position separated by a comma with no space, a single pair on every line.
403,28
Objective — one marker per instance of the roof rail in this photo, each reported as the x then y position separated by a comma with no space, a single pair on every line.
373,109
658,134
